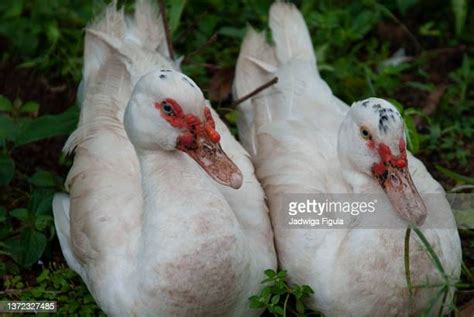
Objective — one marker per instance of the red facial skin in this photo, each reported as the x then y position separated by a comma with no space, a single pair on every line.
175,120
393,176
387,158
210,126
200,141
192,125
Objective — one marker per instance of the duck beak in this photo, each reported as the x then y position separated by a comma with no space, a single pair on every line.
210,156
402,193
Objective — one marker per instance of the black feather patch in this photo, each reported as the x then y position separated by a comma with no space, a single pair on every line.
376,106
382,126
186,80
385,114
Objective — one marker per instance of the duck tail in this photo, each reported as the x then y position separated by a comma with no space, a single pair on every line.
61,207
118,50
114,33
148,27
290,33
108,28
259,62
255,66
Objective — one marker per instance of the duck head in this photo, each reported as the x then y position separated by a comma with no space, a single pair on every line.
167,112
372,142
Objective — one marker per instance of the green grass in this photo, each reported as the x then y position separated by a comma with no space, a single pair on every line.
55,283
42,44
281,299
444,287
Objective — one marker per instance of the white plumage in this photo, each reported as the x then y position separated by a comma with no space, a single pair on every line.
303,139
149,232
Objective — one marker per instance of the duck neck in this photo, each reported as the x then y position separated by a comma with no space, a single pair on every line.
359,182
162,193
161,209
174,191
151,166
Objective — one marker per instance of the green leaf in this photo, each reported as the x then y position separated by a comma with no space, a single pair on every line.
266,293
421,86
38,292
5,104
457,177
275,299
232,32
412,135
404,5
271,308
41,202
270,273
48,126
42,222
52,32
300,307
279,287
232,116
174,14
43,179
7,169
429,29
28,248
298,291
278,310
255,302
207,26
8,128
29,107
20,214
307,289
362,23
459,8
12,9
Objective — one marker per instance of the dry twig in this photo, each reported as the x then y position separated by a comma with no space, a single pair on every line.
255,91
169,42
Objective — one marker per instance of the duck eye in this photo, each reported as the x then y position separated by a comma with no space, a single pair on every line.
167,108
365,134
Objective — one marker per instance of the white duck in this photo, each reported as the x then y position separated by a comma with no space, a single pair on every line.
152,224
303,139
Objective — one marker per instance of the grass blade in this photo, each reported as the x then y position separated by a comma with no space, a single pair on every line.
457,177
431,252
445,296
459,8
406,258
175,11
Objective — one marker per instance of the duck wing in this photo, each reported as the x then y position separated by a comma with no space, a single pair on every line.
101,217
